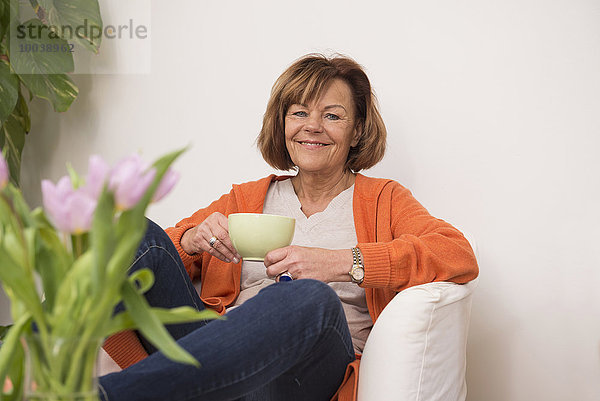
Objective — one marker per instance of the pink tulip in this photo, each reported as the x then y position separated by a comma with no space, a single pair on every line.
167,183
96,178
70,210
4,175
129,180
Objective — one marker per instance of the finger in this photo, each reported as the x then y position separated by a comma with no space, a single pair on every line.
224,224
219,228
278,261
276,255
222,242
214,252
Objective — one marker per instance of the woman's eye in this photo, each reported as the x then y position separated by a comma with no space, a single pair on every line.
300,114
332,117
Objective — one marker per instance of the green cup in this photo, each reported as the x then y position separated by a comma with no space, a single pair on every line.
254,235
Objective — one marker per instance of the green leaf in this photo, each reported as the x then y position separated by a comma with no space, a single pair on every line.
4,17
5,14
10,344
102,238
142,279
20,284
9,90
182,314
4,331
20,206
73,294
43,69
53,259
12,137
73,20
16,373
76,180
151,327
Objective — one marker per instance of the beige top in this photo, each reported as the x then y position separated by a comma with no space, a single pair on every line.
333,228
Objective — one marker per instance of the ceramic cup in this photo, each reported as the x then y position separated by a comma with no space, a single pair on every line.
254,235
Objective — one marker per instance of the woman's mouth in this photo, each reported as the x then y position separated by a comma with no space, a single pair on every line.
311,144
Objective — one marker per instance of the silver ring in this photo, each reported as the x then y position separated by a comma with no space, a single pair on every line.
285,276
212,241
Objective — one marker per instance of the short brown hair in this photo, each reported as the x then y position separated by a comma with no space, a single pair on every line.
305,80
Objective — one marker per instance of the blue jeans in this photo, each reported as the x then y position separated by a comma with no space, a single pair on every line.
289,342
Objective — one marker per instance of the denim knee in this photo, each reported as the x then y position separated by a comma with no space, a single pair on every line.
308,296
155,234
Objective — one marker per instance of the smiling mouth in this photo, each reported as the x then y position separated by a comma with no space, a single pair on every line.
318,144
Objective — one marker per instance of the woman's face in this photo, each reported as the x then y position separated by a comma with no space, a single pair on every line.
318,135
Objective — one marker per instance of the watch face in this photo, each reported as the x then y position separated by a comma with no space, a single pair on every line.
358,273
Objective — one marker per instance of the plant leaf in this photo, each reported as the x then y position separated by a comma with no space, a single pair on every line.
53,259
11,341
3,331
16,372
73,294
15,278
73,20
12,137
142,279
9,90
151,327
102,239
44,72
182,314
4,17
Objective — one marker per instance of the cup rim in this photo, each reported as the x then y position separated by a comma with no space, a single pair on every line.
261,214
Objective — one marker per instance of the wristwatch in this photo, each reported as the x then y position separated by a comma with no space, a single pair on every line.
357,273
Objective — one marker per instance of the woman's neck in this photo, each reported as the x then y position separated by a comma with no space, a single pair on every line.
315,191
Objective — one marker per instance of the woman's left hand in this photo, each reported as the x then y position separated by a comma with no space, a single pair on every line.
326,265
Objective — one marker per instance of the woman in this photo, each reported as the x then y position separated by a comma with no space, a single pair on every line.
366,238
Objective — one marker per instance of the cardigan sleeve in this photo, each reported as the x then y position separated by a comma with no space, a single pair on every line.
175,233
423,248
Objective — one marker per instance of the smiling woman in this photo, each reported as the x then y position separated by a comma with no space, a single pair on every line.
358,242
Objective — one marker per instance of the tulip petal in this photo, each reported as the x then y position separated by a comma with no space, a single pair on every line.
98,171
130,180
167,183
81,212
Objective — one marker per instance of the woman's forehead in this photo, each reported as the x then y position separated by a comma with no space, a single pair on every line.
335,90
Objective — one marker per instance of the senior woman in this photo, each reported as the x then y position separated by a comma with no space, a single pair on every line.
358,242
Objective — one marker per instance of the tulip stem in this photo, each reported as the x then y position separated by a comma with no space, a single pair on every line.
77,245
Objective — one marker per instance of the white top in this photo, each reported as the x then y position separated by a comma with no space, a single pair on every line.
333,228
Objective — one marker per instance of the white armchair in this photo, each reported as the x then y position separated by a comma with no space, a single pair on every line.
417,348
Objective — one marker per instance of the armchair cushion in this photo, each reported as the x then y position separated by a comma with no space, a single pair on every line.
417,348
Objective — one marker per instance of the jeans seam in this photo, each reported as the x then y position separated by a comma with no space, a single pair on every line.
175,260
203,392
103,390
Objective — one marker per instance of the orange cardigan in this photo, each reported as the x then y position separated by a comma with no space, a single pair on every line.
401,243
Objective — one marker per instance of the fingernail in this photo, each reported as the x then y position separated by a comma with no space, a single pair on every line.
236,260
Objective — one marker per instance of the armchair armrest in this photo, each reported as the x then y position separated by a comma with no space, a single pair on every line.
417,348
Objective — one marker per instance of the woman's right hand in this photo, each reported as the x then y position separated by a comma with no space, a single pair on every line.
196,240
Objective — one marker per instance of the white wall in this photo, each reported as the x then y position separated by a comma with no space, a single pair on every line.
493,117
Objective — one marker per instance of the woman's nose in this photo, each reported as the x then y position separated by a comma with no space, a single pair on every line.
313,123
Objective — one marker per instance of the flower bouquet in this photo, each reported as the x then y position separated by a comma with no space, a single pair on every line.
65,268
